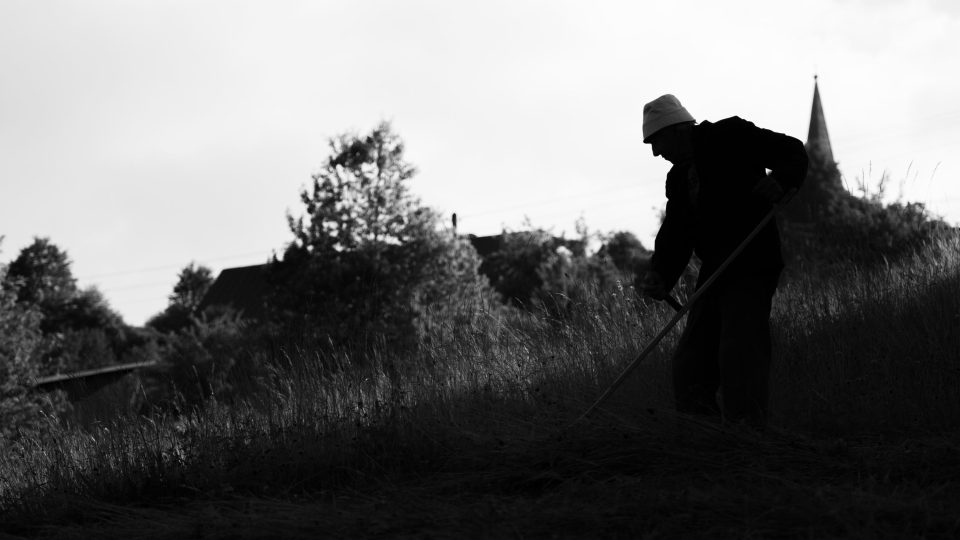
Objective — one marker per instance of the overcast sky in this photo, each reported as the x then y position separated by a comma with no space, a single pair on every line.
140,136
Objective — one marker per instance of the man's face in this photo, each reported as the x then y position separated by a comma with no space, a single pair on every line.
670,144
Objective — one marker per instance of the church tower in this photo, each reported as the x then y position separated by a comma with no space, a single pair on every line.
823,181
818,140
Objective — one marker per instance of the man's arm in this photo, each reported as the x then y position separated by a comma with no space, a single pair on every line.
783,155
674,243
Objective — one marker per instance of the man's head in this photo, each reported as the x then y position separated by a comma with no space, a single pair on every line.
667,128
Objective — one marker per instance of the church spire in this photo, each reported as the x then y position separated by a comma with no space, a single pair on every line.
823,182
818,141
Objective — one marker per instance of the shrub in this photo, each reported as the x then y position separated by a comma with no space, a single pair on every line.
22,411
212,358
839,228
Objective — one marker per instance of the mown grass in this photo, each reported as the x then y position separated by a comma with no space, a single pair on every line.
472,436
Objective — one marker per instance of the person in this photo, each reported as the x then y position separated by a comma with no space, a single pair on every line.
718,191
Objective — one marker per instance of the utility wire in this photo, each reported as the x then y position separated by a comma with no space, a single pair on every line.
552,201
137,286
856,141
167,267
859,140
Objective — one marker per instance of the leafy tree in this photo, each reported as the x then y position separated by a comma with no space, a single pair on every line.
514,269
209,358
79,329
368,262
571,278
360,198
193,282
83,333
86,309
199,355
626,252
21,411
42,275
830,226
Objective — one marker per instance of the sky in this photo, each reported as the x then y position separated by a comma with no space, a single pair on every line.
142,136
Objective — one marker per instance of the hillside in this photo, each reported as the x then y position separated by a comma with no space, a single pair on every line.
472,438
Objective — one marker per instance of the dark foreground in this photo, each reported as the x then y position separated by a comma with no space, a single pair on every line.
604,482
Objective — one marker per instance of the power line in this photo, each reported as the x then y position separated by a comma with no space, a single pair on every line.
867,133
137,286
857,141
861,139
167,267
145,299
552,201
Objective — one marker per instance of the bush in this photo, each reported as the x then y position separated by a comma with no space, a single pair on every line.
215,357
854,229
516,267
22,411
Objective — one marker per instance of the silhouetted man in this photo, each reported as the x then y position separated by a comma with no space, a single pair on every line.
718,191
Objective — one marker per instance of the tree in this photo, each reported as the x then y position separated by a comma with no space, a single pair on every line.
79,329
193,282
626,252
831,226
368,262
360,197
42,275
514,267
209,357
86,309
21,411
83,333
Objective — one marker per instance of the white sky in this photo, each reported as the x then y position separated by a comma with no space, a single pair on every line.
143,135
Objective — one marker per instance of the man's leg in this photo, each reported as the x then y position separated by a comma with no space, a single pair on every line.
696,369
745,348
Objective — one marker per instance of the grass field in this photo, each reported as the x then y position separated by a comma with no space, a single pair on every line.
472,437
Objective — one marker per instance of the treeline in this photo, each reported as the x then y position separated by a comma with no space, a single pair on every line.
828,227
369,270
47,326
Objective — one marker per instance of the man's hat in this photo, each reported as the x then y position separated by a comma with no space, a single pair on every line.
664,111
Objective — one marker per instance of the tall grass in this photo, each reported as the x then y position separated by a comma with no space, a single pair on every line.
872,350
864,351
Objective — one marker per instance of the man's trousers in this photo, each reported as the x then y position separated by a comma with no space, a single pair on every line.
726,347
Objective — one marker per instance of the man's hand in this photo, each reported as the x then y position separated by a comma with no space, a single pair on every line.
652,285
769,189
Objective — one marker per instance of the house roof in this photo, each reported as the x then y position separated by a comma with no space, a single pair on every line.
243,288
83,383
486,245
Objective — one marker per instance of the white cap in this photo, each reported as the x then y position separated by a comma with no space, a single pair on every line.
664,111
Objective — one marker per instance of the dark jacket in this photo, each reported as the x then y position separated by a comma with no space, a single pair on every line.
711,214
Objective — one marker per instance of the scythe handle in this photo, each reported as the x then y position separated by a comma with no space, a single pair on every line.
682,310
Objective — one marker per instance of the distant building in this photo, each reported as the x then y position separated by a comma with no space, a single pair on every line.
84,383
487,245
823,181
242,289
818,140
